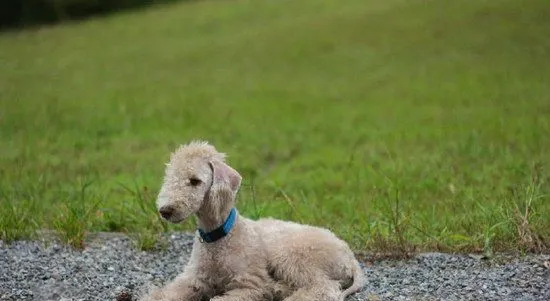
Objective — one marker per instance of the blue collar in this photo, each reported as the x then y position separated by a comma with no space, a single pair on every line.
222,230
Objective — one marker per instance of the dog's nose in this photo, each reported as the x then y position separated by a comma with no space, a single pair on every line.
166,211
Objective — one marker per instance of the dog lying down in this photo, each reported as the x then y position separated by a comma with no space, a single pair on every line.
238,259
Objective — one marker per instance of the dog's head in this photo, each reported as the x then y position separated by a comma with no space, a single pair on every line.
196,175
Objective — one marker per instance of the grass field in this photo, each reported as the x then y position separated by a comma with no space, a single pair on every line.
401,124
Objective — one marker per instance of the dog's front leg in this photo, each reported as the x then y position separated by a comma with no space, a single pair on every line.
183,288
255,286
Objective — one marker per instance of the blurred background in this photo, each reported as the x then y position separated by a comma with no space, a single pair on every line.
401,124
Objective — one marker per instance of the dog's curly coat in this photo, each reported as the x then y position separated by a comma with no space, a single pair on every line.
266,259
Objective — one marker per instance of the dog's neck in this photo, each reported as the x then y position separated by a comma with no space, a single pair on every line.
213,212
208,220
223,230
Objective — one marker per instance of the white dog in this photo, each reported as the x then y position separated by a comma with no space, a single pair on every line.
238,259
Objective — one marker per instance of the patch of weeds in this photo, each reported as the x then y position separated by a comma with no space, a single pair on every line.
391,236
113,219
439,241
76,217
493,226
17,220
146,224
488,239
523,214
19,207
356,234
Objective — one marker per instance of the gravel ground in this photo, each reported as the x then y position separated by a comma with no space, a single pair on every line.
110,265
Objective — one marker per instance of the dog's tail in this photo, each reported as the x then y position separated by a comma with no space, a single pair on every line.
358,282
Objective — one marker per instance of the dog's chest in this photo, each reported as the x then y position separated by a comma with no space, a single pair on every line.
223,267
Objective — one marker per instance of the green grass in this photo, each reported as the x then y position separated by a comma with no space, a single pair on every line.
401,125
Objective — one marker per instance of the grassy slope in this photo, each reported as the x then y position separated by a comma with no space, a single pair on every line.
426,121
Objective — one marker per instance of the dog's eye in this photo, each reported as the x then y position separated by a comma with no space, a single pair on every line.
194,181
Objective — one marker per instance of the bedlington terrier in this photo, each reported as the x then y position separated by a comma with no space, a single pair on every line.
238,259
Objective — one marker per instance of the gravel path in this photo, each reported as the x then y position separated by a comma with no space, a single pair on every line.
109,266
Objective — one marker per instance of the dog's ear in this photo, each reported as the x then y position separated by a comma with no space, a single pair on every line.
224,176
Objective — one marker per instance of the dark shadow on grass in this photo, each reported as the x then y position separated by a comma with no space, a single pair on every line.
19,14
